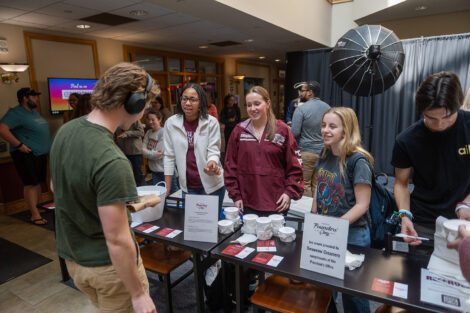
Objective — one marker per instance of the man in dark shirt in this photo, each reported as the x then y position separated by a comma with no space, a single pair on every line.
437,149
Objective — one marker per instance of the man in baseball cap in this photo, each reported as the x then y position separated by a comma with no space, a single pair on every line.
28,134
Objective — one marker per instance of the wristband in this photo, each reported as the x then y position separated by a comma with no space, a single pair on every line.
402,213
461,205
19,146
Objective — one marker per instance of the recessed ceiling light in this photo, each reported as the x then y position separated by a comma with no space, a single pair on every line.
203,47
277,60
83,26
421,8
262,57
249,40
138,12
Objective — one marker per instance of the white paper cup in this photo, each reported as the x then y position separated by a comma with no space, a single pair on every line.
226,227
452,228
236,221
277,221
264,230
231,212
250,219
287,234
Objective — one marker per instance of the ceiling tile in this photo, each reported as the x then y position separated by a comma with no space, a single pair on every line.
101,5
67,11
151,9
112,32
6,13
41,19
28,5
171,20
26,24
71,27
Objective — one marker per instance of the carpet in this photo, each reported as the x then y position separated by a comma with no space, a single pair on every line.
16,260
26,217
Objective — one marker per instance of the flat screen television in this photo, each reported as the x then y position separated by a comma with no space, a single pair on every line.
61,88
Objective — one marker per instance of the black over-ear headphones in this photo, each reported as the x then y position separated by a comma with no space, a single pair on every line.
136,101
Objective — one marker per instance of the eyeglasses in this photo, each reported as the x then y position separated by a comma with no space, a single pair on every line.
303,90
191,100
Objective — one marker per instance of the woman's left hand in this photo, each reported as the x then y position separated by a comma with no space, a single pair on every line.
283,203
212,168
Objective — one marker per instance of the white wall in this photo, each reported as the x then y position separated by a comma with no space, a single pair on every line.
304,17
342,20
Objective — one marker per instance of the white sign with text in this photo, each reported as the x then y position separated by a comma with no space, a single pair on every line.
201,217
324,244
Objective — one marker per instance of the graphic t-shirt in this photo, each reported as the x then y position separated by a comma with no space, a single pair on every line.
192,175
153,142
335,193
441,167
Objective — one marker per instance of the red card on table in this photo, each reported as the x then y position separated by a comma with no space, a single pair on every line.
233,249
49,205
164,232
266,246
144,227
262,258
383,286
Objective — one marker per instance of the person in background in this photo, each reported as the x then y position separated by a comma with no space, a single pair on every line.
192,143
212,109
152,148
462,245
229,116
130,142
263,171
27,132
92,223
306,128
436,149
83,106
157,105
338,196
73,101
294,104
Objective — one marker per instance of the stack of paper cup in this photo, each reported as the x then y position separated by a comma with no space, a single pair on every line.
231,214
226,227
249,224
286,234
277,221
264,229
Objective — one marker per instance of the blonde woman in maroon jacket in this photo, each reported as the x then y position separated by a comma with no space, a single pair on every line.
262,170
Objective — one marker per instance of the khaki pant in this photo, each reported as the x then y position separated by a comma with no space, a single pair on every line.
310,172
104,287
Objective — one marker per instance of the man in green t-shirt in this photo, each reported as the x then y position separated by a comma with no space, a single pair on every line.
92,181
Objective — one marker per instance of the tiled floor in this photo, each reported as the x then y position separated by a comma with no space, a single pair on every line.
39,290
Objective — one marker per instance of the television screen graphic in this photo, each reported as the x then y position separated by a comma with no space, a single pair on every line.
61,88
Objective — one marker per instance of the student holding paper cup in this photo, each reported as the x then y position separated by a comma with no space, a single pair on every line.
338,195
263,171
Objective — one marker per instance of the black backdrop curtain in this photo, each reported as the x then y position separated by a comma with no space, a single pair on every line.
394,110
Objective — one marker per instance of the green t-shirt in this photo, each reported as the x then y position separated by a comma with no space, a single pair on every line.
88,170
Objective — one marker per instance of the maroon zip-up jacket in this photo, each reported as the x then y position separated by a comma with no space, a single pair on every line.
259,172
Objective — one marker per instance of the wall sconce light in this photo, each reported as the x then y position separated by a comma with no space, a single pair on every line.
239,77
12,72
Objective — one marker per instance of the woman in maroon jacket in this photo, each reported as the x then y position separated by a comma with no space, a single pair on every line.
262,168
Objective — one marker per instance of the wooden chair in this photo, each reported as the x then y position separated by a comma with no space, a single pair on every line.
385,308
157,258
279,294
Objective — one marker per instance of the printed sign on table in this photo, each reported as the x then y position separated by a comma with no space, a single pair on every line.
445,291
324,244
238,251
201,217
390,288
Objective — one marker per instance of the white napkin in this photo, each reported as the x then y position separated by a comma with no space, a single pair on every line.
245,239
353,261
